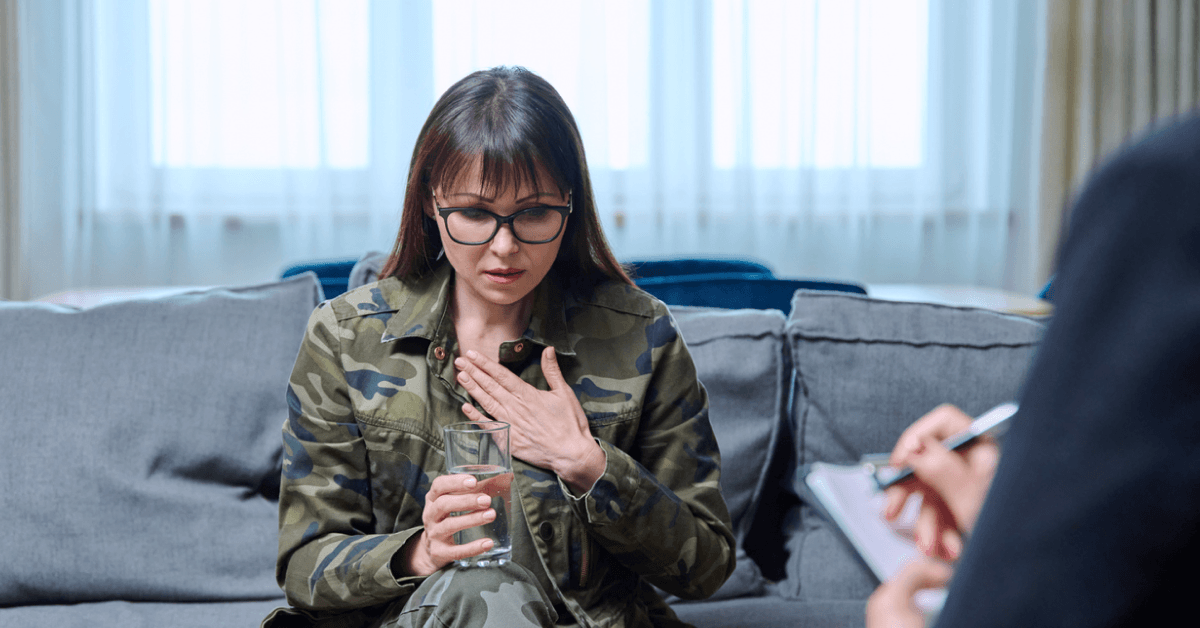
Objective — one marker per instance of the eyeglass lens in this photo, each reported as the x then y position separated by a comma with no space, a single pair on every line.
476,226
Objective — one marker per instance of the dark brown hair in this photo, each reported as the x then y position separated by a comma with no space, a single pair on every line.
516,121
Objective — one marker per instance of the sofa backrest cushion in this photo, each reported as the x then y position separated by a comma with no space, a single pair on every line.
142,449
865,369
740,360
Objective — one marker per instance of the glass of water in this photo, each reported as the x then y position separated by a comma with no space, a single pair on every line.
480,449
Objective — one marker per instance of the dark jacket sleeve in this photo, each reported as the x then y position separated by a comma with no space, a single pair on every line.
1093,515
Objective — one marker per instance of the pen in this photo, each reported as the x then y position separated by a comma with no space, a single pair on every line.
992,422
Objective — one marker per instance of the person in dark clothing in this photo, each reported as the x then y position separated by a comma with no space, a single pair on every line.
1093,515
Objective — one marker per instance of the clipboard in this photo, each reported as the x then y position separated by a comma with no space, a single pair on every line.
850,498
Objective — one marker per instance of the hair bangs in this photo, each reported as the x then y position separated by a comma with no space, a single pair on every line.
507,159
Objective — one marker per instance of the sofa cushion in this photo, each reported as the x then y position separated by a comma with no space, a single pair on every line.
142,453
865,370
773,611
740,360
120,614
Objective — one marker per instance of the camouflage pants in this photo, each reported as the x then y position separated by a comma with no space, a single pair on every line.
478,597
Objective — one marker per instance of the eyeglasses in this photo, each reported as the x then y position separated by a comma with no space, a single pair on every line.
533,225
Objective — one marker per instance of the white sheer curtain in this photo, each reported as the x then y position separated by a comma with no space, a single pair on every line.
205,142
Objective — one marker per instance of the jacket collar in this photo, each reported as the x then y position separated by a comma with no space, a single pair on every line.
421,309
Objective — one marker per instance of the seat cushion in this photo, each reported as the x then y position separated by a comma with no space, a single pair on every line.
143,445
865,370
771,611
140,614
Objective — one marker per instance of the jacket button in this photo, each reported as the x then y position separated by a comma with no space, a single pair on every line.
546,531
439,353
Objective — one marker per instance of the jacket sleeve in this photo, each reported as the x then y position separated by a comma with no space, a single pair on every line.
328,556
658,508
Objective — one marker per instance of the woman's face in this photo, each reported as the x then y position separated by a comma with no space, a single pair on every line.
503,271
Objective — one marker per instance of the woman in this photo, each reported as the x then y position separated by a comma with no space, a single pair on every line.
501,300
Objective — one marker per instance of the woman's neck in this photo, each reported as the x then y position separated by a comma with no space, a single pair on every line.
482,325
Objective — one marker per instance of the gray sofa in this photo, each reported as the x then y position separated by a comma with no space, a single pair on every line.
141,459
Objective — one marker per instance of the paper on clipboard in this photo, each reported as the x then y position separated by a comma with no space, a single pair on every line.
852,499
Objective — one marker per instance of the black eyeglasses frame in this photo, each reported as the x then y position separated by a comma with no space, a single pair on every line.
445,212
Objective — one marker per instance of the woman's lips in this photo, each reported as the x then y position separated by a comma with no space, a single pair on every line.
504,275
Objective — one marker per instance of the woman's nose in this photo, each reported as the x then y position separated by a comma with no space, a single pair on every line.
505,243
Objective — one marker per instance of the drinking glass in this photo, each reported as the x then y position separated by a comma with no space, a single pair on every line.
481,450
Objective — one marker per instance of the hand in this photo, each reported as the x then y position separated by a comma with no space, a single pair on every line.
892,604
434,547
549,428
952,484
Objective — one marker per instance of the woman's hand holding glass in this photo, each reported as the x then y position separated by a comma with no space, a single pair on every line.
434,548
549,428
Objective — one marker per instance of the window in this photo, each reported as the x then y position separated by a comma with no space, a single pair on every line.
263,106
285,84
596,54
208,141
778,66
260,83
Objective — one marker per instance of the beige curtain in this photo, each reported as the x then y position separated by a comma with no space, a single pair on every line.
1113,69
10,232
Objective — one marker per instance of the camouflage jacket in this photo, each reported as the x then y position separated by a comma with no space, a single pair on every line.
374,384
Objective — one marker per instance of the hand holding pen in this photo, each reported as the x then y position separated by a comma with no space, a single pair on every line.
952,484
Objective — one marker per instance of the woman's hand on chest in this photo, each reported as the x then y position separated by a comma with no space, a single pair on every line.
549,428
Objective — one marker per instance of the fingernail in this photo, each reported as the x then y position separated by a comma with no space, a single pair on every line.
469,482
471,354
489,515
483,500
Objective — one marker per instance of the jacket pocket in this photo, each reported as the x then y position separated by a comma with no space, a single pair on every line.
402,467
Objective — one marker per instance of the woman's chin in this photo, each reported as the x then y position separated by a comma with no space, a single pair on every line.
504,294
